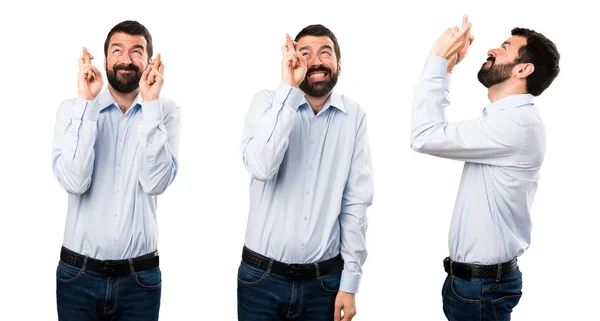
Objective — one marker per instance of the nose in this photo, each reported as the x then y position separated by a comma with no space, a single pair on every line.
314,61
126,59
492,53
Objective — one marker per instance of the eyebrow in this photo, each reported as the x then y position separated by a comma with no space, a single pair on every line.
321,48
506,43
118,44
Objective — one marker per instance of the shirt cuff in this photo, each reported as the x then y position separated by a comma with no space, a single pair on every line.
289,96
436,66
349,282
151,111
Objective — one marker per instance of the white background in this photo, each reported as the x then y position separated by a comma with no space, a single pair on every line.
217,56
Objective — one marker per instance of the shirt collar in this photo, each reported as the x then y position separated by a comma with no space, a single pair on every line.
105,99
334,100
509,102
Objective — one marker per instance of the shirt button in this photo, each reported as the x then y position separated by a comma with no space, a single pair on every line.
310,166
312,141
307,192
305,218
302,245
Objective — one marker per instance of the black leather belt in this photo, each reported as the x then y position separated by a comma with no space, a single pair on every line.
295,272
110,267
467,271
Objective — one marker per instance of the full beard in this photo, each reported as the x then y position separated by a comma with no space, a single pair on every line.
495,74
319,88
125,82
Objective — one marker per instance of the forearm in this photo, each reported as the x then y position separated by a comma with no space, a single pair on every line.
430,99
73,147
268,127
353,247
158,142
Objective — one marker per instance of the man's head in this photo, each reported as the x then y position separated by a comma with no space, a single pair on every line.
127,50
319,46
527,57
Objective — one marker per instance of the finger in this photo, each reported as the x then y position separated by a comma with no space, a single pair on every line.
95,71
301,60
337,315
146,73
152,76
86,55
284,50
161,69
157,61
289,42
463,32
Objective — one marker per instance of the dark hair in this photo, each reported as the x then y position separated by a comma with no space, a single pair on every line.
542,53
320,30
133,28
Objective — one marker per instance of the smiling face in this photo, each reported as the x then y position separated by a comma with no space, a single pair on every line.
501,62
126,60
323,66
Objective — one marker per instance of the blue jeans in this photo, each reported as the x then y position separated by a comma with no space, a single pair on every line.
263,296
88,296
481,299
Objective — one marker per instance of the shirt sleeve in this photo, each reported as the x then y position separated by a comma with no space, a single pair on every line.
493,140
358,195
73,144
269,122
159,132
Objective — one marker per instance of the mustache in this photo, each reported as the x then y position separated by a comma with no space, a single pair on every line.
318,68
126,67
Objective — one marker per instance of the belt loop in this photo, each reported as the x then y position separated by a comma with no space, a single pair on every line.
84,266
269,268
316,264
451,270
131,268
499,273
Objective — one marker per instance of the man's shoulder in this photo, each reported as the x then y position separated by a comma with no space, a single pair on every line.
352,107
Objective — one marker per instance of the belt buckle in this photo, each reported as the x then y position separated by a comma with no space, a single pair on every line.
109,267
296,272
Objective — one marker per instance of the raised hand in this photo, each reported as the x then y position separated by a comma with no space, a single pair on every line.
293,65
453,43
89,78
152,80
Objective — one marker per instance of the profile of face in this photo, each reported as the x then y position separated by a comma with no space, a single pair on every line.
501,62
125,62
323,67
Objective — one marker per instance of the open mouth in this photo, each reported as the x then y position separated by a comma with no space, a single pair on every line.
318,75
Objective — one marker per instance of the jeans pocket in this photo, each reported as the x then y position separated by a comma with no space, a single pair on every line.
331,282
503,306
250,275
67,273
149,279
508,295
465,291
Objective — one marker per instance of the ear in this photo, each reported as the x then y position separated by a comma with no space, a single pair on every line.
524,70
105,64
339,65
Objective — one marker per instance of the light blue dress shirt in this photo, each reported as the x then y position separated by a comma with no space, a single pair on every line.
113,164
311,180
503,152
